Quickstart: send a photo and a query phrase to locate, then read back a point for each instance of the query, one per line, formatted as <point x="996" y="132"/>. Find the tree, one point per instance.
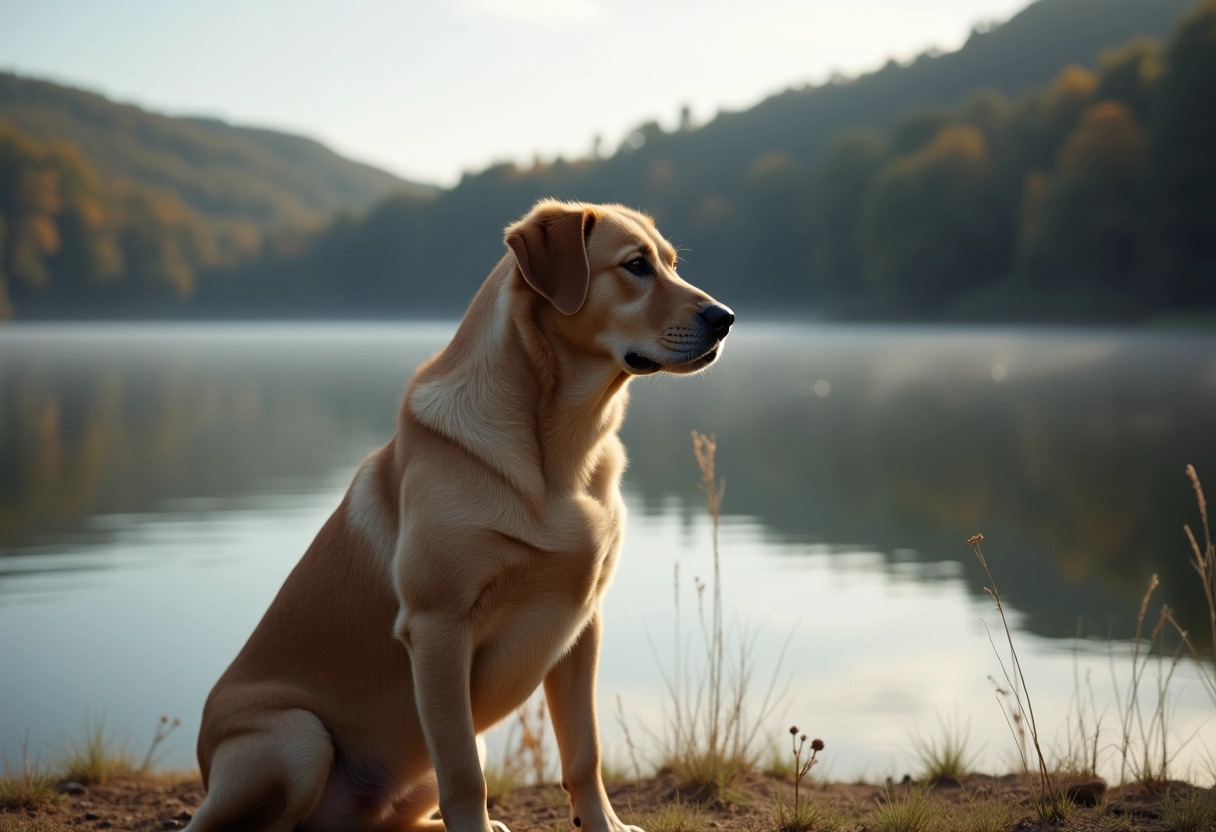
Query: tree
<point x="1184" y="159"/>
<point x="836" y="192"/>
<point x="929" y="225"/>
<point x="1085" y="225"/>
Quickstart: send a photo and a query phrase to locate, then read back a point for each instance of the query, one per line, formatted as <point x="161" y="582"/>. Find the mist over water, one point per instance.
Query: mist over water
<point x="158" y="483"/>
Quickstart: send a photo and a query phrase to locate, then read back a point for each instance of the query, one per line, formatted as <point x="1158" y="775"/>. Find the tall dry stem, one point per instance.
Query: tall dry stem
<point x="705" y="448"/>
<point x="1204" y="562"/>
<point x="1049" y="802"/>
<point x="711" y="722"/>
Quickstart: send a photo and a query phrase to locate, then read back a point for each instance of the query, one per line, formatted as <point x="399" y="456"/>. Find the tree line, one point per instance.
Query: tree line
<point x="1092" y="196"/>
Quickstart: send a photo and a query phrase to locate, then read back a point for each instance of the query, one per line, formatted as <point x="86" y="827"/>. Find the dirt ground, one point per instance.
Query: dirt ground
<point x="164" y="802"/>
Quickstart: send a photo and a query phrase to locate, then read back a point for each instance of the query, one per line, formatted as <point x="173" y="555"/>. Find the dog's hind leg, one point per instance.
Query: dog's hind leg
<point x="269" y="779"/>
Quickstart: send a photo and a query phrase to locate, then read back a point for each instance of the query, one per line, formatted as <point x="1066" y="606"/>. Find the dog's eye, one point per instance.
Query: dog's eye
<point x="638" y="266"/>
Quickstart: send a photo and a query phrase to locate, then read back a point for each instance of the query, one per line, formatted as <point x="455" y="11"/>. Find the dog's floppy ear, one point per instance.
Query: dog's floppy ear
<point x="550" y="248"/>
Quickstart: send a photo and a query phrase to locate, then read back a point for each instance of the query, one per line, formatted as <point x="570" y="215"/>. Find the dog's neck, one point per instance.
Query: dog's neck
<point x="536" y="411"/>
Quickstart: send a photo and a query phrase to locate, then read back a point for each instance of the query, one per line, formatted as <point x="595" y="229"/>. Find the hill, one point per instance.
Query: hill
<point x="220" y="170"/>
<point x="766" y="204"/>
<point x="1056" y="165"/>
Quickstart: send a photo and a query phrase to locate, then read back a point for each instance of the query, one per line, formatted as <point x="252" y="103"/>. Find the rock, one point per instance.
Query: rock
<point x="90" y="816"/>
<point x="72" y="788"/>
<point x="183" y="816"/>
<point x="171" y="824"/>
<point x="1087" y="793"/>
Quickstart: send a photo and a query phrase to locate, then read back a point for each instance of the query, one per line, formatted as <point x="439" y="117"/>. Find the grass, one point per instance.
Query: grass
<point x="675" y="816"/>
<point x="1189" y="811"/>
<point x="523" y="761"/>
<point x="97" y="757"/>
<point x="983" y="815"/>
<point x="1018" y="709"/>
<point x="712" y="722"/>
<point x="913" y="811"/>
<point x="946" y="755"/>
<point x="802" y="816"/>
<point x="29" y="787"/>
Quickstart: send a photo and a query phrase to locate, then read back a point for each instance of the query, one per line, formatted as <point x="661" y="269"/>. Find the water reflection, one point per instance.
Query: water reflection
<point x="1066" y="449"/>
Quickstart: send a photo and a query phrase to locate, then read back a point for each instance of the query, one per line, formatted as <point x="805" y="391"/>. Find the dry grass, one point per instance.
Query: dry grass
<point x="1016" y="705"/>
<point x="675" y="816"/>
<point x="913" y="811"/>
<point x="1189" y="811"/>
<point x="523" y="761"/>
<point x="712" y="722"/>
<point x="96" y="757"/>
<point x="28" y="787"/>
<point x="983" y="815"/>
<point x="803" y="816"/>
<point x="946" y="755"/>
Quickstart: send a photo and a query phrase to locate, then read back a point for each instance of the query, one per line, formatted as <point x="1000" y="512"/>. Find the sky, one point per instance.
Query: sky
<point x="429" y="90"/>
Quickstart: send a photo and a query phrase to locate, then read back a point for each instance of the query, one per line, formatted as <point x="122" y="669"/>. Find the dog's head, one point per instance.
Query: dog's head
<point x="610" y="281"/>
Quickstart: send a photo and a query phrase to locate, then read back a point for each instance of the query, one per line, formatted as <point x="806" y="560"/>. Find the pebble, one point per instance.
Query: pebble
<point x="171" y="824"/>
<point x="72" y="788"/>
<point x="90" y="816"/>
<point x="183" y="816"/>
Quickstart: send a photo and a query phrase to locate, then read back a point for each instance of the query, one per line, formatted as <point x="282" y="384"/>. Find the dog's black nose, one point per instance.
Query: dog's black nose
<point x="718" y="317"/>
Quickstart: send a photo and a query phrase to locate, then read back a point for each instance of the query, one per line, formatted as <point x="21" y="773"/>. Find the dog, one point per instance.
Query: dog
<point x="467" y="563"/>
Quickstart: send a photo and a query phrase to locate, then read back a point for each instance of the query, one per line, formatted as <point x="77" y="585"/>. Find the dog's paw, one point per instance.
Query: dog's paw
<point x="499" y="826"/>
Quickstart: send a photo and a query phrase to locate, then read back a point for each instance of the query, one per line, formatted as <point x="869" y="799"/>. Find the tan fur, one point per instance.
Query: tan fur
<point x="467" y="563"/>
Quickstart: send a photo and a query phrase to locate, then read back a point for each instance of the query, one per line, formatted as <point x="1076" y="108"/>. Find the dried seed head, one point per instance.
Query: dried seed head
<point x="974" y="539"/>
<point x="803" y="738"/>
<point x="793" y="730"/>
<point x="1194" y="478"/>
<point x="816" y="745"/>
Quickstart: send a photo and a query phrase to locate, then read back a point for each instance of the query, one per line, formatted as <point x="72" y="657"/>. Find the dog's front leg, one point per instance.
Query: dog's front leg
<point x="570" y="692"/>
<point x="441" y="659"/>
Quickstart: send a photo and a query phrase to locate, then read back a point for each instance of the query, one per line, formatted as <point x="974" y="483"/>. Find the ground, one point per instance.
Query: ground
<point x="662" y="804"/>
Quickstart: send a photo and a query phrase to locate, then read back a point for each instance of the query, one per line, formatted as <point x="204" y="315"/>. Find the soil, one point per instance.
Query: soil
<point x="166" y="802"/>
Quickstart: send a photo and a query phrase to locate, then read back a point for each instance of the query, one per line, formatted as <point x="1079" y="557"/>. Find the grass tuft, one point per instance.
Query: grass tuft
<point x="802" y="816"/>
<point x="96" y="757"/>
<point x="913" y="811"/>
<point x="30" y="787"/>
<point x="946" y="755"/>
<point x="980" y="815"/>
<point x="1190" y="811"/>
<point x="675" y="816"/>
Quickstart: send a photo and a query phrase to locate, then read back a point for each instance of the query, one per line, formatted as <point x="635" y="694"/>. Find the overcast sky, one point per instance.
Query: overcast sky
<point x="431" y="89"/>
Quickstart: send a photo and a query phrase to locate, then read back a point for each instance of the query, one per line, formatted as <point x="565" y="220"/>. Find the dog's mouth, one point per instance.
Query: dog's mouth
<point x="641" y="365"/>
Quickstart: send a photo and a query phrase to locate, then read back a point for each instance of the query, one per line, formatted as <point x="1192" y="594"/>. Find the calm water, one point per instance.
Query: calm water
<point x="157" y="484"/>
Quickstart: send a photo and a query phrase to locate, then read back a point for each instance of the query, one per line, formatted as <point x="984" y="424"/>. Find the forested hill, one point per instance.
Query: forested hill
<point x="789" y="206"/>
<point x="1017" y="56"/>
<point x="219" y="170"/>
<point x="1058" y="165"/>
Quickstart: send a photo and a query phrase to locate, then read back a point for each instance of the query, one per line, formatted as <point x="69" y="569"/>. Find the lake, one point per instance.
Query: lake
<point x="158" y="482"/>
